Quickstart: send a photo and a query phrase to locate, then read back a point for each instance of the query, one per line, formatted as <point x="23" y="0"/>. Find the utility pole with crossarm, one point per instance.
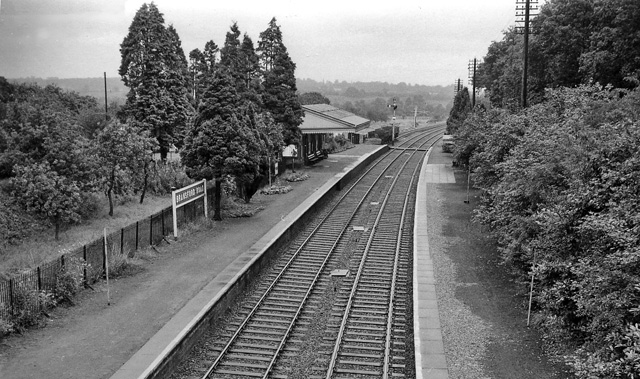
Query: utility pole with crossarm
<point x="472" y="80"/>
<point x="523" y="12"/>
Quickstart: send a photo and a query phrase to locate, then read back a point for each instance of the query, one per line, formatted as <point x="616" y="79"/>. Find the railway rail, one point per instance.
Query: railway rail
<point x="336" y="303"/>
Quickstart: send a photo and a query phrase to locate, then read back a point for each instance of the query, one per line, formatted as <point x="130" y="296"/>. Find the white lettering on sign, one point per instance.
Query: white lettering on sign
<point x="188" y="194"/>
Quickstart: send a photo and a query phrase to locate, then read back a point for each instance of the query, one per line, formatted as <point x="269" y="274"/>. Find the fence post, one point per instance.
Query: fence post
<point x="121" y="240"/>
<point x="162" y="215"/>
<point x="84" y="256"/>
<point x="151" y="230"/>
<point x="136" y="235"/>
<point x="62" y="260"/>
<point x="39" y="284"/>
<point x="104" y="257"/>
<point x="39" y="279"/>
<point x="11" y="301"/>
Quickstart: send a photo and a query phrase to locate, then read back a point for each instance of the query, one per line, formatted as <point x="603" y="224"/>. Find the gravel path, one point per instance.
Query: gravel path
<point x="483" y="321"/>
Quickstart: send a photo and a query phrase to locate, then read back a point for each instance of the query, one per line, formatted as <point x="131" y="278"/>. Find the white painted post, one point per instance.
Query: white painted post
<point x="175" y="214"/>
<point x="204" y="183"/>
<point x="106" y="265"/>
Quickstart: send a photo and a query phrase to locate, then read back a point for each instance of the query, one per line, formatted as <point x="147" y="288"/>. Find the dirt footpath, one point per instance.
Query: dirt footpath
<point x="93" y="339"/>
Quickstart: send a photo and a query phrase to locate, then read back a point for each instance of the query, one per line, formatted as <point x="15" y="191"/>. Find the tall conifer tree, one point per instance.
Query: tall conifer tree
<point x="155" y="69"/>
<point x="279" y="82"/>
<point x="202" y="66"/>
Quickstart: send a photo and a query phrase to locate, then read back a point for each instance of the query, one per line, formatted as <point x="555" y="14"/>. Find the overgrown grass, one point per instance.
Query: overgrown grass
<point x="40" y="245"/>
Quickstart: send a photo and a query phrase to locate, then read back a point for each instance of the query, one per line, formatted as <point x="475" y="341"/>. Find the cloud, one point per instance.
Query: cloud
<point x="60" y="7"/>
<point x="426" y="42"/>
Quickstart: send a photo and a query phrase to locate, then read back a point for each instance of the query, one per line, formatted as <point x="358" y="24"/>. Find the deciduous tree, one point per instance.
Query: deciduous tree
<point x="313" y="98"/>
<point x="123" y="152"/>
<point x="49" y="195"/>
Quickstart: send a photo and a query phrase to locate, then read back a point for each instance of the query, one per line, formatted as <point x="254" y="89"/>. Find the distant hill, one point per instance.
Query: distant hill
<point x="362" y="90"/>
<point x="370" y="99"/>
<point x="338" y="92"/>
<point x="116" y="90"/>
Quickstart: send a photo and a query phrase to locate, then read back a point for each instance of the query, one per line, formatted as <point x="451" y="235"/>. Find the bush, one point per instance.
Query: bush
<point x="165" y="176"/>
<point x="336" y="144"/>
<point x="295" y="176"/>
<point x="621" y="360"/>
<point x="28" y="305"/>
<point x="6" y="327"/>
<point x="561" y="194"/>
<point x="275" y="190"/>
<point x="70" y="280"/>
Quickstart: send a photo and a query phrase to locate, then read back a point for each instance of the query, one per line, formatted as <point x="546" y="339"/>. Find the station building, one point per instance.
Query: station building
<point x="323" y="120"/>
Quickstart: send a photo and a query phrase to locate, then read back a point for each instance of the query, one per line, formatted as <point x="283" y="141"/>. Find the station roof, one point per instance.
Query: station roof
<point x="325" y="118"/>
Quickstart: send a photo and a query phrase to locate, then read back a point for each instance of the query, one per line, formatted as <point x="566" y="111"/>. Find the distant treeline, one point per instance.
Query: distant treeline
<point x="373" y="99"/>
<point x="373" y="89"/>
<point x="367" y="99"/>
<point x="116" y="90"/>
<point x="427" y="98"/>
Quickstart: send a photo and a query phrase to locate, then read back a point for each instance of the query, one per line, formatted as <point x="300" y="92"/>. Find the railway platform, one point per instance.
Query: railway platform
<point x="324" y="175"/>
<point x="430" y="356"/>
<point x="135" y="349"/>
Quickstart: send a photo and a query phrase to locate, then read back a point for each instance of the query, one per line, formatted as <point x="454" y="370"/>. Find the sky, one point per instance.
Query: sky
<point x="427" y="42"/>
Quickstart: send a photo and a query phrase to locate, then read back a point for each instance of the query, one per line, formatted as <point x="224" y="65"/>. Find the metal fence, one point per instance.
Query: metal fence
<point x="20" y="292"/>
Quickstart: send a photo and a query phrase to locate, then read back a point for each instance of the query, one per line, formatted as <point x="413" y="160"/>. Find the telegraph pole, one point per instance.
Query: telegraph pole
<point x="525" y="55"/>
<point x="472" y="80"/>
<point x="525" y="12"/>
<point x="457" y="86"/>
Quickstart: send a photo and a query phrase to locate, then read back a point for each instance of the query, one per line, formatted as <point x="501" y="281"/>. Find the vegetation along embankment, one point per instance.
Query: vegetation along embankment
<point x="227" y="110"/>
<point x="561" y="178"/>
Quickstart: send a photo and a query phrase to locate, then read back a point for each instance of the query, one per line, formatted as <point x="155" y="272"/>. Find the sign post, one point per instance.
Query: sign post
<point x="186" y="195"/>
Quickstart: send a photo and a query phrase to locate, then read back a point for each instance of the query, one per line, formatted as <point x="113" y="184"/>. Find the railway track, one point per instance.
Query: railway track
<point x="335" y="304"/>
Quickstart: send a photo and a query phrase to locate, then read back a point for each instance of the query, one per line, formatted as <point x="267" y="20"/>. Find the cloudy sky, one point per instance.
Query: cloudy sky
<point x="412" y="41"/>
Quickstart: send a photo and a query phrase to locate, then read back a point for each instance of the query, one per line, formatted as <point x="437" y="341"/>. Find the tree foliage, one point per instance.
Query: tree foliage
<point x="459" y="112"/>
<point x="47" y="194"/>
<point x="561" y="184"/>
<point x="573" y="42"/>
<point x="43" y="124"/>
<point x="202" y="66"/>
<point x="230" y="94"/>
<point x="155" y="69"/>
<point x="220" y="142"/>
<point x="377" y="110"/>
<point x="279" y="82"/>
<point x="313" y="98"/>
<point x="124" y="152"/>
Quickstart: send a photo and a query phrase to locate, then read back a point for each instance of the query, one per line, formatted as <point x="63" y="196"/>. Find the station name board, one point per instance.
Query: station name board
<point x="187" y="194"/>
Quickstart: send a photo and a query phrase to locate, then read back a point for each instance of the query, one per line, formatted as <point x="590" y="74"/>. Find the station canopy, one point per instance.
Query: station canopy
<point x="325" y="118"/>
